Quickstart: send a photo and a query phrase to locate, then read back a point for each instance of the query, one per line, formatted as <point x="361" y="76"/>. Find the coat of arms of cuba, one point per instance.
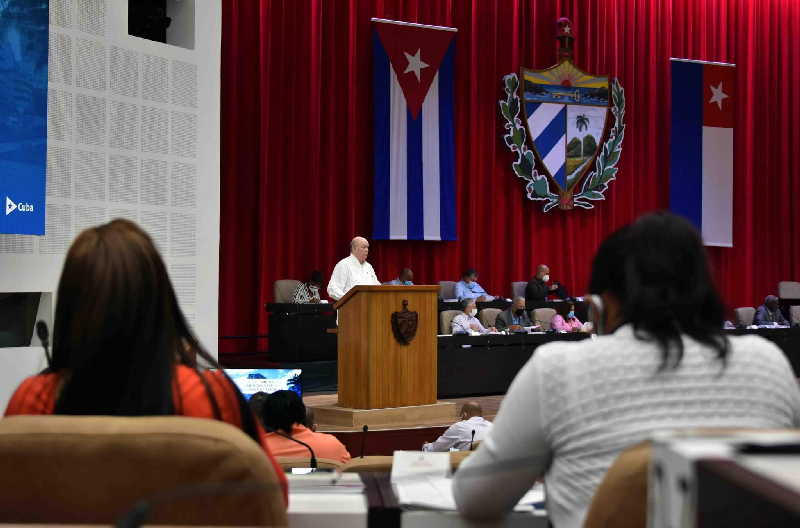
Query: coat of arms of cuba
<point x="565" y="150"/>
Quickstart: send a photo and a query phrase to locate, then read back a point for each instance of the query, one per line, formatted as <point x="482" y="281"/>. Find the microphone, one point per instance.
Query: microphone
<point x="363" y="439"/>
<point x="471" y="440"/>
<point x="43" y="334"/>
<point x="313" y="462"/>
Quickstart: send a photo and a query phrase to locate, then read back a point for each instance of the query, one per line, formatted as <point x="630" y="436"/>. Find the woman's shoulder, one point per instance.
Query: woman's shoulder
<point x="35" y="395"/>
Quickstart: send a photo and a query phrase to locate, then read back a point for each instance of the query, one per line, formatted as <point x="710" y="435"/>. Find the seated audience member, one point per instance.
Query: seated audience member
<point x="284" y="412"/>
<point x="515" y="318"/>
<point x="308" y="292"/>
<point x="769" y="313"/>
<point x="661" y="361"/>
<point x="256" y="401"/>
<point x="537" y="290"/>
<point x="570" y="323"/>
<point x="122" y="346"/>
<point x="460" y="434"/>
<point x="405" y="278"/>
<point x="466" y="322"/>
<point x="468" y="288"/>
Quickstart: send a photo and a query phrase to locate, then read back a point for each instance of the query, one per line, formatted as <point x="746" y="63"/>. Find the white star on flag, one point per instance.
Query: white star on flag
<point x="415" y="63"/>
<point x="718" y="95"/>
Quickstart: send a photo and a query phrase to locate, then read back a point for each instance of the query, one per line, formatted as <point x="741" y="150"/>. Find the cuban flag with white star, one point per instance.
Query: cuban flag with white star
<point x="414" y="135"/>
<point x="701" y="148"/>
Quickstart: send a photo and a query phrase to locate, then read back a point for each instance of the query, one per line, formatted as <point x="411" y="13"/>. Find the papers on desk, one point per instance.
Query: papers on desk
<point x="422" y="480"/>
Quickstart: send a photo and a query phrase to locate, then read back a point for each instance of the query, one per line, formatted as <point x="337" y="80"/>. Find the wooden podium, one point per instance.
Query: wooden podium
<point x="382" y="380"/>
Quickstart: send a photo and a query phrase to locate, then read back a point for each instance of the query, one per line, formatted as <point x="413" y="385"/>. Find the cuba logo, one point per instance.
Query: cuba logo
<point x="22" y="207"/>
<point x="566" y="149"/>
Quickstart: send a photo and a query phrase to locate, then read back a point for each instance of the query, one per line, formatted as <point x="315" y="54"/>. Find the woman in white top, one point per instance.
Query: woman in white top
<point x="664" y="363"/>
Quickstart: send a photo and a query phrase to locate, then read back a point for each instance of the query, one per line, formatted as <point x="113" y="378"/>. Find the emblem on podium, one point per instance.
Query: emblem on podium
<point x="566" y="148"/>
<point x="404" y="324"/>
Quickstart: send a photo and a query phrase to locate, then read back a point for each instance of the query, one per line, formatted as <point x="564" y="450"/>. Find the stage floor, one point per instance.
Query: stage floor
<point x="490" y="405"/>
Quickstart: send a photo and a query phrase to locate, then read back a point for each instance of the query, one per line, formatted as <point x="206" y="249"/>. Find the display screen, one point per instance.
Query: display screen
<point x="251" y="381"/>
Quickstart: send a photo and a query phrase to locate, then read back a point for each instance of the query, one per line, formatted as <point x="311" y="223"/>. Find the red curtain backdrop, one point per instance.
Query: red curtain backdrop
<point x="297" y="140"/>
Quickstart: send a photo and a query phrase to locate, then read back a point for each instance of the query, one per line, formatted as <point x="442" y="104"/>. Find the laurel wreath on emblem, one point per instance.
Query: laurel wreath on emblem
<point x="538" y="186"/>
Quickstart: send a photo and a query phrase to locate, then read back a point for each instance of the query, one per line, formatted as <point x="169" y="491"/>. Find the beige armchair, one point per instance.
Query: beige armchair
<point x="542" y="317"/>
<point x="488" y="316"/>
<point x="94" y="470"/>
<point x="445" y="320"/>
<point x="284" y="290"/>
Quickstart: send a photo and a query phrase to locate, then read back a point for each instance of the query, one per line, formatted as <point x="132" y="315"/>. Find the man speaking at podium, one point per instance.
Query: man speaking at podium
<point x="352" y="271"/>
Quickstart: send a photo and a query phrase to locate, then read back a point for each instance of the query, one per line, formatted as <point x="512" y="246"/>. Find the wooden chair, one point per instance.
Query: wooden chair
<point x="94" y="470"/>
<point x="621" y="499"/>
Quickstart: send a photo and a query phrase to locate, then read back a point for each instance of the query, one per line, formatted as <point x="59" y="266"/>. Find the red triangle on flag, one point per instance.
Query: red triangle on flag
<point x="415" y="53"/>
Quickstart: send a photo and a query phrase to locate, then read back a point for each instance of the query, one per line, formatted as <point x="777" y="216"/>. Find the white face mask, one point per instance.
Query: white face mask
<point x="546" y="278"/>
<point x="473" y="312"/>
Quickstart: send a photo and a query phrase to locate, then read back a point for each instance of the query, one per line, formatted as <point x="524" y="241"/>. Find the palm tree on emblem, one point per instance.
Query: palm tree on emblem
<point x="581" y="123"/>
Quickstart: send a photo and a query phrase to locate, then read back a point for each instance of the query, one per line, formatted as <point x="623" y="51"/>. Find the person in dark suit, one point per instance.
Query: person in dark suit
<point x="515" y="318"/>
<point x="769" y="313"/>
<point x="539" y="287"/>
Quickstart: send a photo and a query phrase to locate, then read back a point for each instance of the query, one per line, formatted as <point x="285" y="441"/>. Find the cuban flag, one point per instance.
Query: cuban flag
<point x="701" y="169"/>
<point x="414" y="137"/>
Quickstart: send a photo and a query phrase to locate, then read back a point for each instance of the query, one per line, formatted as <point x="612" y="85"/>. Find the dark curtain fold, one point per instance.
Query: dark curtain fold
<point x="297" y="139"/>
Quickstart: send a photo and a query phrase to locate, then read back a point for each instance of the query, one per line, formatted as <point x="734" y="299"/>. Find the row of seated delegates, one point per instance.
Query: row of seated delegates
<point x="661" y="361"/>
<point x="466" y="322"/>
<point x="463" y="434"/>
<point x="121" y="345"/>
<point x="769" y="313"/>
<point x="353" y="270"/>
<point x="539" y="288"/>
<point x="284" y="413"/>
<point x="308" y="292"/>
<point x="468" y="288"/>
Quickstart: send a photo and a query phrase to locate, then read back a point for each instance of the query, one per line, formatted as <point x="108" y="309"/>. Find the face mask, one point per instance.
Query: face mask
<point x="406" y="283"/>
<point x="571" y="315"/>
<point x="519" y="312"/>
<point x="473" y="312"/>
<point x="313" y="287"/>
<point x="546" y="278"/>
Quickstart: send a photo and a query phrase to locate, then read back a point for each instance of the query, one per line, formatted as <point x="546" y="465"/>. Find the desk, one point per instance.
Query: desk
<point x="561" y="307"/>
<point x="377" y="507"/>
<point x="464" y="361"/>
<point x="298" y="332"/>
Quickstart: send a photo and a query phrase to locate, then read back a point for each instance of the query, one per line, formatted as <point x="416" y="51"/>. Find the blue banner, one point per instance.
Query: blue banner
<point x="23" y="115"/>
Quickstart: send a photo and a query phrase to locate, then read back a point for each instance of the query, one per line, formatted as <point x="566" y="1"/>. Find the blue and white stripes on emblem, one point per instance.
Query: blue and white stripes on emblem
<point x="414" y="158"/>
<point x="547" y="123"/>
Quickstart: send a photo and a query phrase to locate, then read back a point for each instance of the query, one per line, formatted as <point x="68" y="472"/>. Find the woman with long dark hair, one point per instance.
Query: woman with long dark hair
<point x="661" y="362"/>
<point x="121" y="345"/>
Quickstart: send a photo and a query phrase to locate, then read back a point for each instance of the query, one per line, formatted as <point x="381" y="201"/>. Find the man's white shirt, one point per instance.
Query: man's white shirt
<point x="459" y="435"/>
<point x="350" y="272"/>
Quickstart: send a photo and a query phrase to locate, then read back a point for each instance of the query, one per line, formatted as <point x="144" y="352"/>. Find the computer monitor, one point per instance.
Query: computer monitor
<point x="251" y="381"/>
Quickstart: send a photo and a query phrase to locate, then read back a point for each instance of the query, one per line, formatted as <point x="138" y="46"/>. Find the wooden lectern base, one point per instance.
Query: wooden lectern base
<point x="439" y="413"/>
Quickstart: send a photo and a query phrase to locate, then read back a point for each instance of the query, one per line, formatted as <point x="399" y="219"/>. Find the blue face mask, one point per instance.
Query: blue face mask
<point x="407" y="283"/>
<point x="571" y="315"/>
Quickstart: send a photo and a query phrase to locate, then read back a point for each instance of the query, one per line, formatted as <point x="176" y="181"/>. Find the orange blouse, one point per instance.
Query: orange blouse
<point x="37" y="395"/>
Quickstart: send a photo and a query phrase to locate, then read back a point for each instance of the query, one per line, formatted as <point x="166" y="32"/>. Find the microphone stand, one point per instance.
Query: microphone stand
<point x="313" y="462"/>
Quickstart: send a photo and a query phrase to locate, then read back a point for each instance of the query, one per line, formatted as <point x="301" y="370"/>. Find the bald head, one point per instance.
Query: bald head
<point x="542" y="270"/>
<point x="471" y="409"/>
<point x="359" y="248"/>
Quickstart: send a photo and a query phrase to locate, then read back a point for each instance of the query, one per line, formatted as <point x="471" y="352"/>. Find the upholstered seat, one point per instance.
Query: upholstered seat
<point x="94" y="470"/>
<point x="542" y="317"/>
<point x="284" y="290"/>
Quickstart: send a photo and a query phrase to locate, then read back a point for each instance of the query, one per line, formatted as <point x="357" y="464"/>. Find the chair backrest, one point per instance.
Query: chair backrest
<point x="284" y="289"/>
<point x="488" y="316"/>
<point x="305" y="462"/>
<point x="445" y="318"/>
<point x="447" y="289"/>
<point x="794" y="315"/>
<point x="621" y="499"/>
<point x="368" y="464"/>
<point x="745" y="315"/>
<point x="93" y="470"/>
<point x="543" y="316"/>
<point x="518" y="289"/>
<point x="789" y="290"/>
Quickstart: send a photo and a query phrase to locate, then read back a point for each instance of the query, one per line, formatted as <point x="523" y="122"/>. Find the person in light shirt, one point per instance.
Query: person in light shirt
<point x="459" y="435"/>
<point x="468" y="288"/>
<point x="405" y="278"/>
<point x="570" y="323"/>
<point x="353" y="270"/>
<point x="466" y="322"/>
